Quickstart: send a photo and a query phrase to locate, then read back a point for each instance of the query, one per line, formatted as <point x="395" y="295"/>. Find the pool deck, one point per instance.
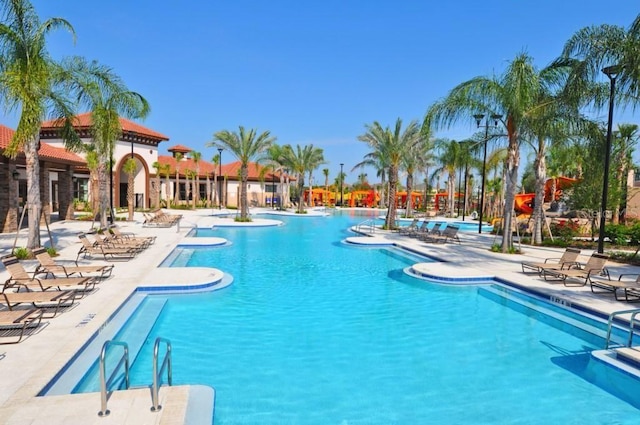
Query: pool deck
<point x="25" y="368"/>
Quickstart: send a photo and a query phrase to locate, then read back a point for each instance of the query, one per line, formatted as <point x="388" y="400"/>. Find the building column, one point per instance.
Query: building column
<point x="45" y="193"/>
<point x="65" y="195"/>
<point x="8" y="197"/>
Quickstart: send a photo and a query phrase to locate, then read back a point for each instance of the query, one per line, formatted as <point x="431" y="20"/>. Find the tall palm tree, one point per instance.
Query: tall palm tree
<point x="391" y="144"/>
<point x="196" y="157"/>
<point x="514" y="95"/>
<point x="216" y="164"/>
<point x="626" y="138"/>
<point x="176" y="196"/>
<point x="302" y="160"/>
<point x="609" y="45"/>
<point x="165" y="169"/>
<point x="246" y="146"/>
<point x="156" y="195"/>
<point x="130" y="168"/>
<point x="325" y="171"/>
<point x="29" y="82"/>
<point x="108" y="98"/>
<point x="449" y="159"/>
<point x="276" y="162"/>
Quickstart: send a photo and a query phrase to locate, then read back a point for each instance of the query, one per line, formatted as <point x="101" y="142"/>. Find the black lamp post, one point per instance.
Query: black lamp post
<point x="611" y="72"/>
<point x="220" y="178"/>
<point x="341" y="190"/>
<point x="457" y="198"/>
<point x="487" y="125"/>
<point x="111" y="188"/>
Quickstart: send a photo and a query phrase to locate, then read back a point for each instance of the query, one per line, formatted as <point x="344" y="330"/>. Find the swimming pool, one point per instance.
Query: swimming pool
<point x="314" y="331"/>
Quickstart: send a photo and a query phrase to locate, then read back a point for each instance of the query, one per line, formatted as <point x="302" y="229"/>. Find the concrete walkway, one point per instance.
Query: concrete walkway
<point x="27" y="367"/>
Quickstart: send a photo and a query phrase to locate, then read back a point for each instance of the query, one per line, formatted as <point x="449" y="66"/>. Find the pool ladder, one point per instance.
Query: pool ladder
<point x="124" y="359"/>
<point x="632" y="322"/>
<point x="367" y="226"/>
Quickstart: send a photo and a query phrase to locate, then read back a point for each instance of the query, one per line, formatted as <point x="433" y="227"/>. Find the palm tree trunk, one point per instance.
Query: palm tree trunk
<point x="244" y="205"/>
<point x="513" y="161"/>
<point x="390" y="222"/>
<point x="33" y="192"/>
<point x="409" y="211"/>
<point x="104" y="190"/>
<point x="540" y="170"/>
<point x="177" y="194"/>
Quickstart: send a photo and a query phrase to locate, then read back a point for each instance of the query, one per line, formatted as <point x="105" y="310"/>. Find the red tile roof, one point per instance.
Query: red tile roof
<point x="46" y="151"/>
<point x="84" y="121"/>
<point x="179" y="148"/>
<point x="231" y="170"/>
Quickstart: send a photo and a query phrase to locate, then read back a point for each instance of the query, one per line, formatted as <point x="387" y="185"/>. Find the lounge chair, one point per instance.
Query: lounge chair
<point x="107" y="253"/>
<point x="569" y="259"/>
<point x="128" y="236"/>
<point x="410" y="228"/>
<point x="14" y="323"/>
<point x="423" y="228"/>
<point x="594" y="267"/>
<point x="46" y="300"/>
<point x="19" y="277"/>
<point x="48" y="266"/>
<point x="160" y="219"/>
<point x="105" y="239"/>
<point x="449" y="233"/>
<point x="424" y="231"/>
<point x="630" y="288"/>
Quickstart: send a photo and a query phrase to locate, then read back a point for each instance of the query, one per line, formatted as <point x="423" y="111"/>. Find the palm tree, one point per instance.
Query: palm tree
<point x="325" y="171"/>
<point x="156" y="196"/>
<point x="378" y="162"/>
<point x="275" y="161"/>
<point x="626" y="139"/>
<point x="176" y="196"/>
<point x="195" y="157"/>
<point x="449" y="159"/>
<point x="216" y="163"/>
<point x="609" y="45"/>
<point x="189" y="178"/>
<point x="130" y="167"/>
<point x="515" y="96"/>
<point x="246" y="146"/>
<point x="28" y="82"/>
<point x="391" y="145"/>
<point x="108" y="98"/>
<point x="165" y="169"/>
<point x="301" y="160"/>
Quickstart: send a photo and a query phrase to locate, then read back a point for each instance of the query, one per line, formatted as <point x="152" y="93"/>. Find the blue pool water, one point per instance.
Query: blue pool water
<point x="313" y="331"/>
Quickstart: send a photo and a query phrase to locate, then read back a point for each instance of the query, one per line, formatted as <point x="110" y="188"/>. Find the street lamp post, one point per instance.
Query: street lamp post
<point x="219" y="178"/>
<point x="611" y="72"/>
<point x="487" y="125"/>
<point x="111" y="188"/>
<point x="341" y="187"/>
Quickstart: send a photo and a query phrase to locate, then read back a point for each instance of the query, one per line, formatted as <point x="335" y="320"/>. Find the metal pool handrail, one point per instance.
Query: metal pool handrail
<point x="104" y="382"/>
<point x="370" y="223"/>
<point x="632" y="320"/>
<point x="166" y="362"/>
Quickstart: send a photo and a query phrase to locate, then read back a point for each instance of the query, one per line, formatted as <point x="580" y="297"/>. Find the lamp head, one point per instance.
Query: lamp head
<point x="496" y="118"/>
<point x="478" y="118"/>
<point x="612" y="71"/>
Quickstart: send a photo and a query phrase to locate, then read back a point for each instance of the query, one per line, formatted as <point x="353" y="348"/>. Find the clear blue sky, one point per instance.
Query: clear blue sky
<point x="312" y="71"/>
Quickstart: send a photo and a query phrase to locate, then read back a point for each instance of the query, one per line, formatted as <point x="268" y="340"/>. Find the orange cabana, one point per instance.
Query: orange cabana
<point x="401" y="199"/>
<point x="439" y="198"/>
<point x="363" y="198"/>
<point x="320" y="196"/>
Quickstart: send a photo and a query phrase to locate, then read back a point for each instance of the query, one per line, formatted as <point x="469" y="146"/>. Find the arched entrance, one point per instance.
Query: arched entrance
<point x="140" y="183"/>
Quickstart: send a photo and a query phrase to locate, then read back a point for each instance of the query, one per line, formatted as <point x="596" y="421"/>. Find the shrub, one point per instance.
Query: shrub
<point x="617" y="233"/>
<point x="52" y="251"/>
<point x="21" y="253"/>
<point x="565" y="230"/>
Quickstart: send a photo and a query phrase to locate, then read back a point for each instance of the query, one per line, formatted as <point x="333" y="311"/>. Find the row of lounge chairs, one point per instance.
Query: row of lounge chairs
<point x="111" y="245"/>
<point x="435" y="234"/>
<point x="571" y="272"/>
<point x="29" y="297"/>
<point x="160" y="219"/>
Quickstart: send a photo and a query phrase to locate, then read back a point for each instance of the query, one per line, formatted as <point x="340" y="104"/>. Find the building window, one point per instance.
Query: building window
<point x="81" y="189"/>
